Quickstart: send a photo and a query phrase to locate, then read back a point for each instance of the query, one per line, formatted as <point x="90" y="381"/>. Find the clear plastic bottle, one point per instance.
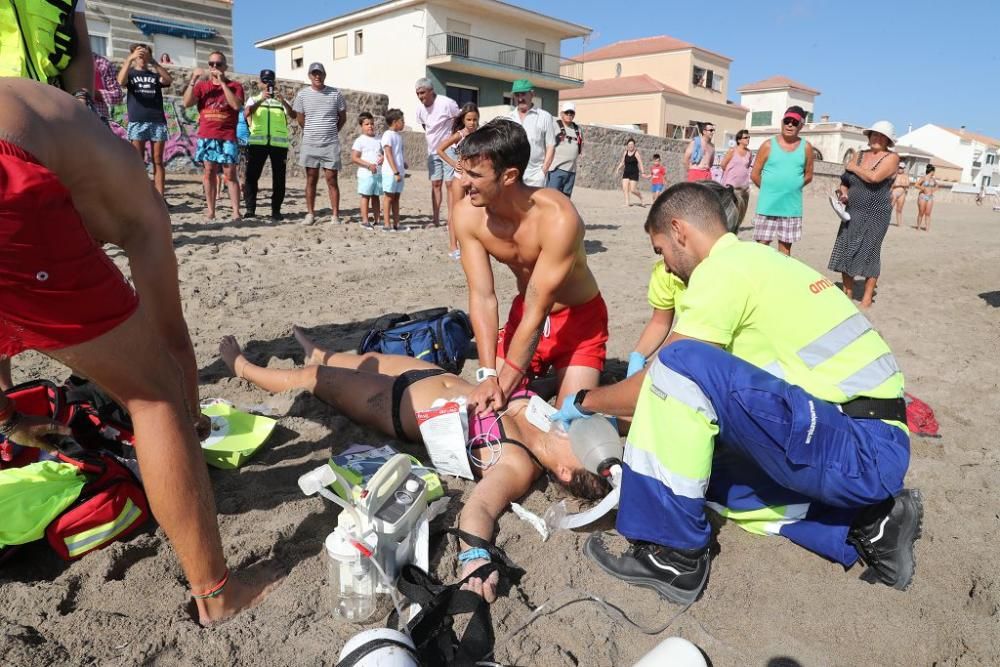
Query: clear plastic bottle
<point x="352" y="579"/>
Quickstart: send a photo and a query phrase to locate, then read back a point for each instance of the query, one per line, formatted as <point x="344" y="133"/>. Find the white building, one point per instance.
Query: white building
<point x="767" y="101"/>
<point x="471" y="49"/>
<point x="975" y="153"/>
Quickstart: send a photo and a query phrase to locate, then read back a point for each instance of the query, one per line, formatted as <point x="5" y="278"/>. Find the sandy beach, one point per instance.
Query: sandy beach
<point x="767" y="602"/>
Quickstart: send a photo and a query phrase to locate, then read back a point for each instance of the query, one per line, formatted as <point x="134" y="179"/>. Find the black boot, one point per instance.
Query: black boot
<point x="884" y="536"/>
<point x="677" y="574"/>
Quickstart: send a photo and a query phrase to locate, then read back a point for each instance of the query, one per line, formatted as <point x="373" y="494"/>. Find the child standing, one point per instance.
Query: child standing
<point x="393" y="169"/>
<point x="657" y="176"/>
<point x="367" y="154"/>
<point x="466" y="122"/>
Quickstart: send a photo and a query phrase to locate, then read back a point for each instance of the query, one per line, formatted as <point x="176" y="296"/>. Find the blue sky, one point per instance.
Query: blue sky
<point x="909" y="61"/>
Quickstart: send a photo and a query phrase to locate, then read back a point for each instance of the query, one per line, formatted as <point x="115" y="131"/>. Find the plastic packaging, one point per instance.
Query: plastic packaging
<point x="352" y="579"/>
<point x="596" y="443"/>
<point x="377" y="653"/>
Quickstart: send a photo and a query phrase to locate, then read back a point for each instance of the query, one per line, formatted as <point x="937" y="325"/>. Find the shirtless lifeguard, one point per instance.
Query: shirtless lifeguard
<point x="558" y="319"/>
<point x="65" y="180"/>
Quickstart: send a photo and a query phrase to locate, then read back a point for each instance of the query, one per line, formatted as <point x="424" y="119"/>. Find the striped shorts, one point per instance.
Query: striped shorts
<point x="771" y="227"/>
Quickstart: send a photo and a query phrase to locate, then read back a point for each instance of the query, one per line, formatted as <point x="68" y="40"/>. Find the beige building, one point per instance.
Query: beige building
<point x="659" y="85"/>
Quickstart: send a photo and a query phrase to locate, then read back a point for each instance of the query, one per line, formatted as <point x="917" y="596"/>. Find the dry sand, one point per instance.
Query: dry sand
<point x="767" y="602"/>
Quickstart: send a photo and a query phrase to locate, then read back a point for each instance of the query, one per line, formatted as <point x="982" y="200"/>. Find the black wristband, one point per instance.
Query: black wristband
<point x="578" y="401"/>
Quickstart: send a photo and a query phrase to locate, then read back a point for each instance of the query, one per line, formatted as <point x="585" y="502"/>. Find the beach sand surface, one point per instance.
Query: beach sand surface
<point x="767" y="601"/>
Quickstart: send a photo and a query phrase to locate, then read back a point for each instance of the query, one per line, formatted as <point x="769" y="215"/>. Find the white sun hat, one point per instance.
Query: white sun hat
<point x="883" y="127"/>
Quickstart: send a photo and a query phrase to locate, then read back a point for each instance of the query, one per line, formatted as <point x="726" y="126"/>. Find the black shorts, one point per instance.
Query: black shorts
<point x="402" y="383"/>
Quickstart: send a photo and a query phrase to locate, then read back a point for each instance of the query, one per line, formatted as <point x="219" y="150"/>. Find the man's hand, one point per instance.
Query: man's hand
<point x="197" y="74"/>
<point x="636" y="362"/>
<point x="31" y="431"/>
<point x="568" y="413"/>
<point x="215" y="76"/>
<point x="203" y="426"/>
<point x="487" y="396"/>
<point x="372" y="167"/>
<point x="266" y="94"/>
<point x="488" y="588"/>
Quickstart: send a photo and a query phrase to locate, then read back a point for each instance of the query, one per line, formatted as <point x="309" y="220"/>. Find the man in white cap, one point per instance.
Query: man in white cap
<point x="435" y="114"/>
<point x="321" y="111"/>
<point x="538" y="125"/>
<point x="569" y="148"/>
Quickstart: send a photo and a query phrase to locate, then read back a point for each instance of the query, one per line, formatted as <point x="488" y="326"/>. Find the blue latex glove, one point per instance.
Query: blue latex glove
<point x="636" y="362"/>
<point x="568" y="413"/>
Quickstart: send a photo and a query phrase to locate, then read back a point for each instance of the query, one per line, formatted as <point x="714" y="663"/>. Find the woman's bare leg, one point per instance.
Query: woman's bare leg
<point x="848" y="285"/>
<point x="928" y="207"/>
<point x="625" y="183"/>
<point x="866" y="301"/>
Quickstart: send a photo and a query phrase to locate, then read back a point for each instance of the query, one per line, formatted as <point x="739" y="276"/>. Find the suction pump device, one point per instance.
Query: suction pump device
<point x="596" y="443"/>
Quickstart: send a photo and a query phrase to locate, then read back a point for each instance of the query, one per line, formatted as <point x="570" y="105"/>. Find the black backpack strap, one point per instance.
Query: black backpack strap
<point x="355" y="656"/>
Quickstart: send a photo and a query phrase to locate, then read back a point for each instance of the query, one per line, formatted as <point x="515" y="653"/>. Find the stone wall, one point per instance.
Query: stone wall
<point x="603" y="149"/>
<point x="183" y="123"/>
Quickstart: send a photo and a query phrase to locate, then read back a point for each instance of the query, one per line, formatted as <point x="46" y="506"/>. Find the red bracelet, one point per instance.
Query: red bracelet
<point x="508" y="362"/>
<point x="214" y="590"/>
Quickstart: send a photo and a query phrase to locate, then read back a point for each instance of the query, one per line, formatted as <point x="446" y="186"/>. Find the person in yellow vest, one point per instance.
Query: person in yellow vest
<point x="47" y="40"/>
<point x="267" y="114"/>
<point x="774" y="402"/>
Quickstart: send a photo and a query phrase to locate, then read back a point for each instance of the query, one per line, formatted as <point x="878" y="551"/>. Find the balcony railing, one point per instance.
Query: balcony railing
<point x="489" y="52"/>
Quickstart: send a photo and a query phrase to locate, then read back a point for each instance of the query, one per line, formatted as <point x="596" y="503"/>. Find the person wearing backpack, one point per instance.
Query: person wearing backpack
<point x="569" y="148"/>
<point x="700" y="154"/>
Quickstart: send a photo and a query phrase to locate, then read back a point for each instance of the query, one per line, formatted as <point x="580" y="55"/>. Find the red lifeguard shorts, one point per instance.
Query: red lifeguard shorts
<point x="574" y="336"/>
<point x="57" y="287"/>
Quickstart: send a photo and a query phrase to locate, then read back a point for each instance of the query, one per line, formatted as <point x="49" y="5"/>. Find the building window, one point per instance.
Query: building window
<point x="672" y="131"/>
<point x="716" y="83"/>
<point x="991" y="158"/>
<point x="461" y="94"/>
<point x="534" y="55"/>
<point x="760" y="119"/>
<point x="457" y="41"/>
<point x="618" y="70"/>
<point x="359" y="42"/>
<point x="986" y="181"/>
<point x="340" y="47"/>
<point x="508" y="99"/>
<point x="297" y="57"/>
<point x="809" y="116"/>
<point x="100" y="37"/>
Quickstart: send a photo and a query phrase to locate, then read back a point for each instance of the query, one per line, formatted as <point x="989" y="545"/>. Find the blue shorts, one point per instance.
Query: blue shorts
<point x="389" y="184"/>
<point x="147" y="131"/>
<point x="438" y="169"/>
<point x="219" y="151"/>
<point x="369" y="184"/>
<point x="656" y="187"/>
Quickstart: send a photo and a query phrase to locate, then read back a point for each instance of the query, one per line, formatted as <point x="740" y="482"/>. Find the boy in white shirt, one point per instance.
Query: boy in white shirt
<point x="367" y="154"/>
<point x="393" y="168"/>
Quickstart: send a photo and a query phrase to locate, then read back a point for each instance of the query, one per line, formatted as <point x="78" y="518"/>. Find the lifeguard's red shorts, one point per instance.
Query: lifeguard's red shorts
<point x="57" y="287"/>
<point x="574" y="336"/>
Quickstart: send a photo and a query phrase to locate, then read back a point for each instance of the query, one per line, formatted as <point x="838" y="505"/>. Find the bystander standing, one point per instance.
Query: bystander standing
<point x="322" y="111"/>
<point x="569" y="148"/>
<point x="539" y="127"/>
<point x="267" y="114"/>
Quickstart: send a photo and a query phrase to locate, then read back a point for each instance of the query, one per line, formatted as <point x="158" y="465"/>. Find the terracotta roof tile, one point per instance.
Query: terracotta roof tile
<point x="776" y="82"/>
<point x="643" y="46"/>
<point x="623" y="85"/>
<point x="981" y="138"/>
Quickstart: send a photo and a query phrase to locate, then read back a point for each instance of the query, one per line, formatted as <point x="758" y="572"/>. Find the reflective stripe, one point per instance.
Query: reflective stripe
<point x="871" y="376"/>
<point x="834" y="340"/>
<point x="646" y="464"/>
<point x="775" y="369"/>
<point x="668" y="382"/>
<point x="83" y="542"/>
<point x="763" y="521"/>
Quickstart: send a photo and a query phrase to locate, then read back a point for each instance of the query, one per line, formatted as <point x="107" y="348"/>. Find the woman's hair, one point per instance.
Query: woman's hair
<point x="741" y="134"/>
<point x="629" y="141"/>
<point x="139" y="45"/>
<point x="585" y="484"/>
<point x="929" y="169"/>
<point x="459" y="122"/>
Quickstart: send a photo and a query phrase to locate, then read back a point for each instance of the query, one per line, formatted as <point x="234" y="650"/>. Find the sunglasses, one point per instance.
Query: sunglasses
<point x="569" y="113"/>
<point x="216" y="63"/>
<point x="710" y="129"/>
<point x="791" y="121"/>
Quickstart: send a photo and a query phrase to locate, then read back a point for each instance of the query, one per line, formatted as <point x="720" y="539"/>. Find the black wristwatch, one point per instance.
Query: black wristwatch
<point x="578" y="402"/>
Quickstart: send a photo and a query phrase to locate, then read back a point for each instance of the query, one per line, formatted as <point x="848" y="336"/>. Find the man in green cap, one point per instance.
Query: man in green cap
<point x="540" y="128"/>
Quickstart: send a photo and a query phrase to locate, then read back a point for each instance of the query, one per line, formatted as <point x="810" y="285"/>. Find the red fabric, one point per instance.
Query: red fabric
<point x="57" y="287"/>
<point x="217" y="120"/>
<point x="574" y="336"/>
<point x="658" y="174"/>
<point x="699" y="175"/>
<point x="920" y="417"/>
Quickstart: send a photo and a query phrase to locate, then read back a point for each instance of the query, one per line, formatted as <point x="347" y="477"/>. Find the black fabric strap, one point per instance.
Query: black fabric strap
<point x="355" y="656"/>
<point x="893" y="409"/>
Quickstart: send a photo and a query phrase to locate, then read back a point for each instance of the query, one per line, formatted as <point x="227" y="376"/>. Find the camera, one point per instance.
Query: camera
<point x="270" y="88"/>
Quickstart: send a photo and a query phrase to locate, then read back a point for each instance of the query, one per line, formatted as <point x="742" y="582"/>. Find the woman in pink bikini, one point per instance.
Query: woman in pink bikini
<point x="384" y="391"/>
<point x="736" y="165"/>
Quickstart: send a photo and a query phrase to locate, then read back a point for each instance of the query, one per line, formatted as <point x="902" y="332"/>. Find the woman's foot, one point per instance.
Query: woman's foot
<point x="232" y="355"/>
<point x="865" y="305"/>
<point x="314" y="356"/>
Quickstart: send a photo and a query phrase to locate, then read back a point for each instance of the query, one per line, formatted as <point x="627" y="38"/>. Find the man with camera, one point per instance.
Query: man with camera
<point x="267" y="114"/>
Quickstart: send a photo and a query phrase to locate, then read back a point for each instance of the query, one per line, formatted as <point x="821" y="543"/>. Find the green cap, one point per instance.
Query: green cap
<point x="522" y="86"/>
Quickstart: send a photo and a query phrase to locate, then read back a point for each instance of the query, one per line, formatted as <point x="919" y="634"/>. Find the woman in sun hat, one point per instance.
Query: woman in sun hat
<point x="865" y="188"/>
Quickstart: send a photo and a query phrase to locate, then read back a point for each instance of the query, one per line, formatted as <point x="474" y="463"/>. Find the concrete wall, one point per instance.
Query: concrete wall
<point x="213" y="13"/>
<point x="183" y="123"/>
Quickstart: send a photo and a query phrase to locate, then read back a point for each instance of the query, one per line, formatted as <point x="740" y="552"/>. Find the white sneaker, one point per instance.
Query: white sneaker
<point x="838" y="207"/>
<point x="308" y="220"/>
<point x="336" y="221"/>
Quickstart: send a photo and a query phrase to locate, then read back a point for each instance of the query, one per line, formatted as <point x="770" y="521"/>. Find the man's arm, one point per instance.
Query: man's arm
<point x="80" y="71"/>
<point x="758" y="165"/>
<point x="232" y="99"/>
<point x="341" y="114"/>
<point x="688" y="152"/>
<point x="190" y="99"/>
<point x="810" y="163"/>
<point x="550" y="147"/>
<point x="166" y="80"/>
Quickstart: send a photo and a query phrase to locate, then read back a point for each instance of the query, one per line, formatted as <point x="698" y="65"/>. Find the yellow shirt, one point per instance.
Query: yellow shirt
<point x="664" y="288"/>
<point x="784" y="317"/>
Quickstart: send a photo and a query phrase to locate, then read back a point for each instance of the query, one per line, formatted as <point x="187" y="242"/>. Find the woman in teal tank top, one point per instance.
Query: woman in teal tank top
<point x="784" y="166"/>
